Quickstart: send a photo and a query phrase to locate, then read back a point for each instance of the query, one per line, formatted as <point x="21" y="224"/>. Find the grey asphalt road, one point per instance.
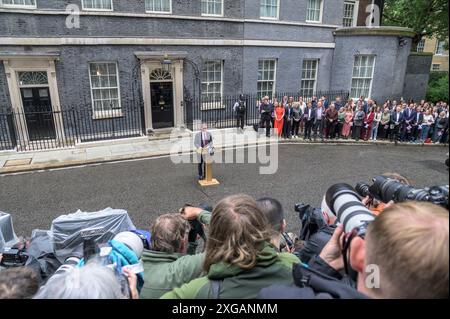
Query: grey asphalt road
<point x="151" y="187"/>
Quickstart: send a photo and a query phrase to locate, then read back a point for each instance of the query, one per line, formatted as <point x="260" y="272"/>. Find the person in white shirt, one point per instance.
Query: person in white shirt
<point x="428" y="120"/>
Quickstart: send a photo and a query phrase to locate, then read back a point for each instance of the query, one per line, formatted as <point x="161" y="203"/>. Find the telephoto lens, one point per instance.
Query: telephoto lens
<point x="343" y="201"/>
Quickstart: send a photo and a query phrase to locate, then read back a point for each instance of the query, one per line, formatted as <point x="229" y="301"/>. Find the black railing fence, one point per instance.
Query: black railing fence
<point x="219" y="113"/>
<point x="40" y="128"/>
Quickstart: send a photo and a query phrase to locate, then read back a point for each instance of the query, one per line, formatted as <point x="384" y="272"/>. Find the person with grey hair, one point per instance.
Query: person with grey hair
<point x="203" y="140"/>
<point x="93" y="281"/>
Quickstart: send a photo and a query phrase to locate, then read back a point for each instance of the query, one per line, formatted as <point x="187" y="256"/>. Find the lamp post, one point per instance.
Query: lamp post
<point x="166" y="64"/>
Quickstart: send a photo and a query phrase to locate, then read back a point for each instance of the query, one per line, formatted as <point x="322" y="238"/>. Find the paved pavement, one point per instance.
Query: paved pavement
<point x="142" y="147"/>
<point x="149" y="187"/>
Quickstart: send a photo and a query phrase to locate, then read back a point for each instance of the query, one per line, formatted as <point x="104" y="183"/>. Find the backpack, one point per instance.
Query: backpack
<point x="241" y="107"/>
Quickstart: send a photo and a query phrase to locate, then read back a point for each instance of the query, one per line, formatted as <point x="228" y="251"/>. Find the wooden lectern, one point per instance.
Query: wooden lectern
<point x="209" y="180"/>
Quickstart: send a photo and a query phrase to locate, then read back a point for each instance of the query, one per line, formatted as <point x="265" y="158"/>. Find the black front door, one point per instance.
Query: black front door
<point x="38" y="113"/>
<point x="162" y="104"/>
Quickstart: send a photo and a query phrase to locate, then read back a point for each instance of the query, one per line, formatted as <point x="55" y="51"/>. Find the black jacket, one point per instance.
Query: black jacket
<point x="318" y="281"/>
<point x="313" y="114"/>
<point x="316" y="242"/>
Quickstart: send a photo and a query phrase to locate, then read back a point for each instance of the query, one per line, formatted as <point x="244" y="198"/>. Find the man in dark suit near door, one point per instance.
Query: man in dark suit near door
<point x="203" y="140"/>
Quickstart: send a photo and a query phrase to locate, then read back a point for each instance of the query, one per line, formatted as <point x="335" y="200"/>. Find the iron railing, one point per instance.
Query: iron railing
<point x="219" y="113"/>
<point x="42" y="128"/>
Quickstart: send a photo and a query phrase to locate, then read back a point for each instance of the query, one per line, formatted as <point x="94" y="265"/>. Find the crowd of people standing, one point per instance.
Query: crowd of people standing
<point x="362" y="119"/>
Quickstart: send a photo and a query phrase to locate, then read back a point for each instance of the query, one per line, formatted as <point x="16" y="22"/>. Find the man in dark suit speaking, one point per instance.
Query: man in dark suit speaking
<point x="203" y="141"/>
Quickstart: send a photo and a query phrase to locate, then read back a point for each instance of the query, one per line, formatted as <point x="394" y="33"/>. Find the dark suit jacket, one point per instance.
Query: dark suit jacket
<point x="313" y="115"/>
<point x="412" y="115"/>
<point x="288" y="112"/>
<point x="415" y="122"/>
<point x="401" y="118"/>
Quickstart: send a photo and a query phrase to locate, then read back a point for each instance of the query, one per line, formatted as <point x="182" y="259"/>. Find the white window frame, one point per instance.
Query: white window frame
<point x="437" y="48"/>
<point x="320" y="14"/>
<point x="371" y="76"/>
<point x="95" y="9"/>
<point x="18" y="6"/>
<point x="436" y="64"/>
<point x="310" y="79"/>
<point x="274" y="89"/>
<point x="107" y="113"/>
<point x="214" y="104"/>
<point x="355" y="12"/>
<point x="160" y="12"/>
<point x="210" y="14"/>
<point x="270" y="18"/>
<point x="421" y="45"/>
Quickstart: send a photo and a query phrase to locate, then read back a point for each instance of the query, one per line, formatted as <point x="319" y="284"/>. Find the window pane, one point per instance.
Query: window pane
<point x="362" y="75"/>
<point x="19" y="2"/>
<point x="104" y="86"/>
<point x="313" y="10"/>
<point x="212" y="81"/>
<point x="309" y="74"/>
<point x="266" y="77"/>
<point x="349" y="8"/>
<point x="269" y="8"/>
<point x="97" y="4"/>
<point x="213" y="7"/>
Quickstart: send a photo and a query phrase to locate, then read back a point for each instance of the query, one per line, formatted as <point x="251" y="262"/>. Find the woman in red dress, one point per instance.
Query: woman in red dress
<point x="279" y="118"/>
<point x="368" y="122"/>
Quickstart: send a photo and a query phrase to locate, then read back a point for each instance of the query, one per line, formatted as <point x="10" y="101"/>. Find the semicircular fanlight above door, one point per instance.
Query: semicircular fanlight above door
<point x="160" y="75"/>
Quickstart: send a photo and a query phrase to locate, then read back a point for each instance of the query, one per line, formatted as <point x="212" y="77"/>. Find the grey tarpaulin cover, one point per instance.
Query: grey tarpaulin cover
<point x="41" y="256"/>
<point x="70" y="231"/>
<point x="7" y="236"/>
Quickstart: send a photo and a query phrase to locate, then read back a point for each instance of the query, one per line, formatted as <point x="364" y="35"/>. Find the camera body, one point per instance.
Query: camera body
<point x="386" y="189"/>
<point x="14" y="257"/>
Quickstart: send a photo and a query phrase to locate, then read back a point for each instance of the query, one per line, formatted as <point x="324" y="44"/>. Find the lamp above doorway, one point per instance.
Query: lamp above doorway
<point x="166" y="63"/>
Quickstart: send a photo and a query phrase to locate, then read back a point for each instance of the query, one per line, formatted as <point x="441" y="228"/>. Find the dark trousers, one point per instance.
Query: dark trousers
<point x="415" y="133"/>
<point x="356" y="132"/>
<point x="287" y="128"/>
<point x="308" y="127"/>
<point x="240" y="120"/>
<point x="318" y="126"/>
<point x="338" y="132"/>
<point x="266" y="121"/>
<point x="295" y="128"/>
<point x="331" y="126"/>
<point x="383" y="132"/>
<point x="396" y="133"/>
<point x="201" y="166"/>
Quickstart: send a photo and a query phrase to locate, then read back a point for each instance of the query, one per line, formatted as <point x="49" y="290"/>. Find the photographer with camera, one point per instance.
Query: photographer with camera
<point x="166" y="264"/>
<point x="273" y="210"/>
<point x="239" y="259"/>
<point x="402" y="253"/>
<point x="317" y="229"/>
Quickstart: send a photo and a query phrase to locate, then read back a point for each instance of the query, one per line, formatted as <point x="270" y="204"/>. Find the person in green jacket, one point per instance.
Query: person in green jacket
<point x="239" y="260"/>
<point x="166" y="265"/>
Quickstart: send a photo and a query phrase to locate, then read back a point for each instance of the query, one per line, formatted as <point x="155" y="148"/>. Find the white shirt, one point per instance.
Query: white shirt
<point x="428" y="119"/>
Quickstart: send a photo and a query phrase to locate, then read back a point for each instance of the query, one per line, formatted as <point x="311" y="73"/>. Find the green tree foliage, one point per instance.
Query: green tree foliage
<point x="427" y="18"/>
<point x="438" y="87"/>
